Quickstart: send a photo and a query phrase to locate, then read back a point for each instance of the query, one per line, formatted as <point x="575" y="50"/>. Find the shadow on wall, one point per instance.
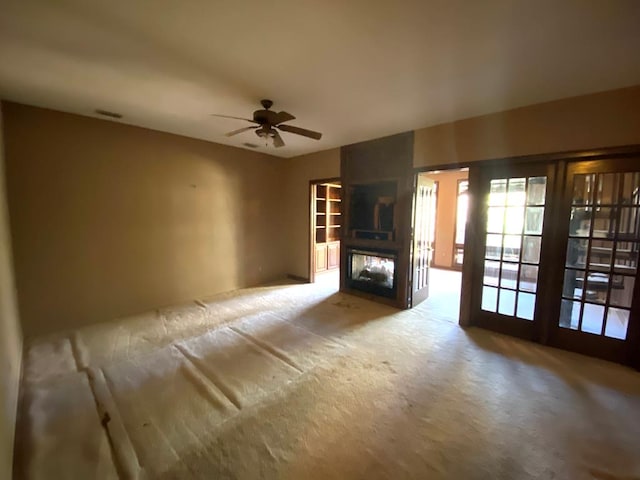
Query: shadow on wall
<point x="109" y="220"/>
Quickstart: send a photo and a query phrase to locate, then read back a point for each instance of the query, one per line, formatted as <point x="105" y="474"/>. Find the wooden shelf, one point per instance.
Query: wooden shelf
<point x="326" y="227"/>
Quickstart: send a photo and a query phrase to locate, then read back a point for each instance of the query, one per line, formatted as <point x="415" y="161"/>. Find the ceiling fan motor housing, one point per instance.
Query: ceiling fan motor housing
<point x="263" y="116"/>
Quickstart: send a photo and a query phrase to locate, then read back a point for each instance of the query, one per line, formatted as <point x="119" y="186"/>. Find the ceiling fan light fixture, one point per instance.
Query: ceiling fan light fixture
<point x="268" y="124"/>
<point x="266" y="135"/>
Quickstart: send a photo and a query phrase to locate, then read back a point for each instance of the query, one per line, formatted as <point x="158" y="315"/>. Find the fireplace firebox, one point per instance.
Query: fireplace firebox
<point x="372" y="271"/>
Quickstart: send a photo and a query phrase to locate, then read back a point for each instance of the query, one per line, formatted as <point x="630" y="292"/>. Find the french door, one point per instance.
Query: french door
<point x="599" y="223"/>
<point x="557" y="262"/>
<point x="513" y="225"/>
<point x="424" y="197"/>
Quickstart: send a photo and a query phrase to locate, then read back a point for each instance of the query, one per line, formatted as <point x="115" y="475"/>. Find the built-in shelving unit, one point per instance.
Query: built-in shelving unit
<point x="327" y="225"/>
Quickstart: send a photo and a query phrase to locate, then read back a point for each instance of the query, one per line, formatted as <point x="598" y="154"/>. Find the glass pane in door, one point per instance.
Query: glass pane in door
<point x="602" y="253"/>
<point x="515" y="213"/>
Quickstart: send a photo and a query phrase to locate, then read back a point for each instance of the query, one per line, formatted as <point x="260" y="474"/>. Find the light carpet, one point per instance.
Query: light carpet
<point x="303" y="382"/>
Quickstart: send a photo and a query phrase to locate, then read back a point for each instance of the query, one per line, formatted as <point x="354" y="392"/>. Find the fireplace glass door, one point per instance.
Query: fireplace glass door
<point x="372" y="272"/>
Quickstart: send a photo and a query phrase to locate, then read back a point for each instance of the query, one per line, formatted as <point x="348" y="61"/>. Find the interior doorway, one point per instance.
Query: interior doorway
<point x="326" y="227"/>
<point x="440" y="216"/>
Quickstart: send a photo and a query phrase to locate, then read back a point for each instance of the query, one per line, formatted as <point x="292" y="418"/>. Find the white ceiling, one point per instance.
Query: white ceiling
<point x="352" y="69"/>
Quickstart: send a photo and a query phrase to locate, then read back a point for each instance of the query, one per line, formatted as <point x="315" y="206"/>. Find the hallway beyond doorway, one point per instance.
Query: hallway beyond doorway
<point x="444" y="295"/>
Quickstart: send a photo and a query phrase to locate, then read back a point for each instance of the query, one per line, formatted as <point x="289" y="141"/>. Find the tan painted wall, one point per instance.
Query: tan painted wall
<point x="446" y="215"/>
<point x="600" y="120"/>
<point x="109" y="219"/>
<point x="299" y="171"/>
<point x="10" y="333"/>
<point x="102" y="206"/>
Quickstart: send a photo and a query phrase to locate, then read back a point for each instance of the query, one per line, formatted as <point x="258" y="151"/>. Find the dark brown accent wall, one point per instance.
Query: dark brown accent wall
<point x="386" y="159"/>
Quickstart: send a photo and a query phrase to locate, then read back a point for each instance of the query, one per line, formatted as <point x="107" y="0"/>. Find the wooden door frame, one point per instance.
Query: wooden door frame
<point x="560" y="160"/>
<point x="311" y="259"/>
<point x="414" y="215"/>
<point x="426" y="171"/>
<point x="475" y="169"/>
<point x="581" y="342"/>
<point x="435" y="220"/>
<point x="455" y="224"/>
<point x="527" y="329"/>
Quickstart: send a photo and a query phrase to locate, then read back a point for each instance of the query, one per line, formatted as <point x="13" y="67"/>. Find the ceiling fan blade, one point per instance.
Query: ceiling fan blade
<point x="282" y="117"/>
<point x="235" y="118"/>
<point x="300" y="131"/>
<point x="240" y="130"/>
<point x="277" y="140"/>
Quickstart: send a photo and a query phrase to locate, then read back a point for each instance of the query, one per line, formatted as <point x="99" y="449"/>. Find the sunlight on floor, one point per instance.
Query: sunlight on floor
<point x="444" y="295"/>
<point x="301" y="381"/>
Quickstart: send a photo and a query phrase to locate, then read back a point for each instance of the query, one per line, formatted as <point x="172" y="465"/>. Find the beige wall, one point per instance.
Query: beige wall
<point x="446" y="215"/>
<point x="112" y="219"/>
<point x="600" y="120"/>
<point x="299" y="171"/>
<point x="10" y="334"/>
<point x="109" y="219"/>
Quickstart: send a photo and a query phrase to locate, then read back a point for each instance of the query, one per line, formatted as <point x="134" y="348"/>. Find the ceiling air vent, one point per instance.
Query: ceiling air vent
<point x="106" y="113"/>
<point x="250" y="145"/>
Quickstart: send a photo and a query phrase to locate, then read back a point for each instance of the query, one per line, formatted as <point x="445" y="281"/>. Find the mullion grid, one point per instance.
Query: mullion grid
<point x="522" y="230"/>
<point x="572" y="298"/>
<point x="499" y="259"/>
<point x="587" y="261"/>
<point x="518" y="263"/>
<point x="504" y="224"/>
<point x="611" y="268"/>
<point x="616" y="232"/>
<point x="522" y="235"/>
<point x="617" y="238"/>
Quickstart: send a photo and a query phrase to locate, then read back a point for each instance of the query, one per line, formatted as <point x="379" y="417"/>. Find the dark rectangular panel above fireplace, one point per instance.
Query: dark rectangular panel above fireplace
<point x="372" y="210"/>
<point x="373" y="271"/>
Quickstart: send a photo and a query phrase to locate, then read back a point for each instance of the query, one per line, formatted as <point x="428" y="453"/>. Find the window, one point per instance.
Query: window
<point x="515" y="214"/>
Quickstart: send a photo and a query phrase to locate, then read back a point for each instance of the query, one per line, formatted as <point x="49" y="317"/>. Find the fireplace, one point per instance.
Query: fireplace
<point x="372" y="271"/>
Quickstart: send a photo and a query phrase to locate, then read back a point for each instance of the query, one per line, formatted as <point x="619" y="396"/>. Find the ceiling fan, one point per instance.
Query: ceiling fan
<point x="269" y="122"/>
